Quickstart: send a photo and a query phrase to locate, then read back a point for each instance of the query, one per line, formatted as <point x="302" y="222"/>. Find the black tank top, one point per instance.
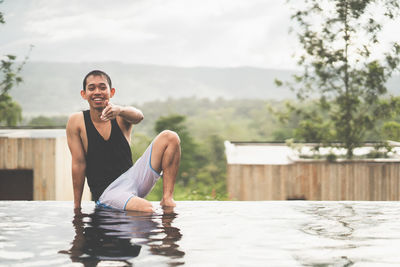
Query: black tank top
<point x="105" y="160"/>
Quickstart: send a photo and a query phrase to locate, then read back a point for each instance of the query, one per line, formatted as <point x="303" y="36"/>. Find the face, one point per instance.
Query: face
<point x="97" y="92"/>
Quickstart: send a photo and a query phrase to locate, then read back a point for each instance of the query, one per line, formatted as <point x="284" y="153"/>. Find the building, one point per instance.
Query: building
<point x="274" y="171"/>
<point x="35" y="164"/>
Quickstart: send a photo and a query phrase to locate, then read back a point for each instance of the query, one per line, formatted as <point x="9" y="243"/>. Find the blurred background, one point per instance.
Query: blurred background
<point x="210" y="70"/>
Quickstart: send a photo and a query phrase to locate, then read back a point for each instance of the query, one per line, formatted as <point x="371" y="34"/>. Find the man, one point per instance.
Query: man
<point x="99" y="141"/>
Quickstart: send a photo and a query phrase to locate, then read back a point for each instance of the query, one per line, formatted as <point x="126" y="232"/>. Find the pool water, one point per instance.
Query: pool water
<point x="202" y="233"/>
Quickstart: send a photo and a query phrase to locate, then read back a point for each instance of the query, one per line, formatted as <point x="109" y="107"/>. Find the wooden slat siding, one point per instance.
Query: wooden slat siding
<point x="230" y="182"/>
<point x="259" y="182"/>
<point x="3" y="154"/>
<point x="50" y="168"/>
<point x="395" y="171"/>
<point x="275" y="175"/>
<point x="234" y="183"/>
<point x="358" y="180"/>
<point x="11" y="150"/>
<point x="290" y="181"/>
<point x="40" y="155"/>
<point x="267" y="190"/>
<point x="316" y="181"/>
<point x="364" y="191"/>
<point x="20" y="157"/>
<point x="250" y="183"/>
<point x="346" y="176"/>
<point x="300" y="182"/>
<point x="394" y="183"/>
<point x="379" y="184"/>
<point x="236" y="174"/>
<point x="309" y="194"/>
<point x="269" y="183"/>
<point x="237" y="183"/>
<point x="244" y="181"/>
<point x="38" y="170"/>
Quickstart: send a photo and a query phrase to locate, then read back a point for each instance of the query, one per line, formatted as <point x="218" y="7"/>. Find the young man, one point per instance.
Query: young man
<point x="99" y="140"/>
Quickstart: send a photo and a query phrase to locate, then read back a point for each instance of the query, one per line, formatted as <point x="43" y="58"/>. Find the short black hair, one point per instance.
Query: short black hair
<point x="96" y="73"/>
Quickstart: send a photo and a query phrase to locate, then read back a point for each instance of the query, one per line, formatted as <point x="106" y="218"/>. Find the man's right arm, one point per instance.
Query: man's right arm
<point x="78" y="158"/>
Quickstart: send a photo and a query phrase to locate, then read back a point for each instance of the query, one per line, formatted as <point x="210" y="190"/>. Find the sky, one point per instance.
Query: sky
<point x="186" y="33"/>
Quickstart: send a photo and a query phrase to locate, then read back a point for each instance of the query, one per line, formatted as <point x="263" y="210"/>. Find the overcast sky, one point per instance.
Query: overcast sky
<point x="218" y="33"/>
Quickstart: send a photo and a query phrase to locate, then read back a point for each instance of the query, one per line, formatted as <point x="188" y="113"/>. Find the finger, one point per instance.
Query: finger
<point x="106" y="110"/>
<point x="104" y="118"/>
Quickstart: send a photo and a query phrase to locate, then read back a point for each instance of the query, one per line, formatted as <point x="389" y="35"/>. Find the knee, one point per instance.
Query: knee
<point x="170" y="137"/>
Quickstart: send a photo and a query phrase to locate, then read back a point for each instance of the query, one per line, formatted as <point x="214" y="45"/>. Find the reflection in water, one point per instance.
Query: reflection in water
<point x="331" y="222"/>
<point x="109" y="235"/>
<point x="339" y="229"/>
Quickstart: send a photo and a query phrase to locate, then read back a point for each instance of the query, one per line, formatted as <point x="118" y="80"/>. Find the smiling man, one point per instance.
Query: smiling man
<point x="99" y="141"/>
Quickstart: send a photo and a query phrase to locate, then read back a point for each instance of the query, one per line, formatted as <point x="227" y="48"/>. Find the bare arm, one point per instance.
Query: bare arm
<point x="78" y="158"/>
<point x="130" y="115"/>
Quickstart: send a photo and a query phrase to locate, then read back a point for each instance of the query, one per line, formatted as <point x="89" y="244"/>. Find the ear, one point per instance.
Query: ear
<point x="83" y="94"/>
<point x="112" y="92"/>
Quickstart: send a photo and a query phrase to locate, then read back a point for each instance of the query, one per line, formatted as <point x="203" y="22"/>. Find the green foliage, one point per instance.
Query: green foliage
<point x="10" y="111"/>
<point x="191" y="158"/>
<point x="139" y="144"/>
<point x="1" y="14"/>
<point x="341" y="69"/>
<point x="391" y="130"/>
<point x="43" y="121"/>
<point x="381" y="150"/>
<point x="202" y="171"/>
<point x="245" y="119"/>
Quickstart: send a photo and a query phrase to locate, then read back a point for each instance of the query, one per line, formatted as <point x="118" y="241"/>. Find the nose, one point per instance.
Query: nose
<point x="97" y="90"/>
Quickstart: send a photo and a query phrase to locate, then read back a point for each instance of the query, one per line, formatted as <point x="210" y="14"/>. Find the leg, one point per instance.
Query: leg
<point x="139" y="204"/>
<point x="166" y="155"/>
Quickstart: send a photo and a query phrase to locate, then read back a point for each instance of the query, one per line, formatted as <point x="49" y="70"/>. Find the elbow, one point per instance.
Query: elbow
<point x="138" y="118"/>
<point x="78" y="166"/>
<point x="141" y="117"/>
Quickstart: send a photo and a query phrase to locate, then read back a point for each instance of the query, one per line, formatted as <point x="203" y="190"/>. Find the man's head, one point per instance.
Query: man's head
<point x="96" y="73"/>
<point x="97" y="89"/>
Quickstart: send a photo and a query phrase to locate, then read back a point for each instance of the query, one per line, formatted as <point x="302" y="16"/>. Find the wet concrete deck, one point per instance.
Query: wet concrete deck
<point x="287" y="233"/>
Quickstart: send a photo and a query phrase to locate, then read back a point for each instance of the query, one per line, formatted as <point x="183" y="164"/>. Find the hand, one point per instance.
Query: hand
<point x="110" y="112"/>
<point x="77" y="210"/>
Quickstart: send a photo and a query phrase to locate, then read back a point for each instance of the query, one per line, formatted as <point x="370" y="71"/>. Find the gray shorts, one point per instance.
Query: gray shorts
<point x="138" y="181"/>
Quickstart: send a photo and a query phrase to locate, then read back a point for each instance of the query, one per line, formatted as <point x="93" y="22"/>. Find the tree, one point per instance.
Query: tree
<point x="10" y="111"/>
<point x="391" y="130"/>
<point x="191" y="159"/>
<point x="343" y="68"/>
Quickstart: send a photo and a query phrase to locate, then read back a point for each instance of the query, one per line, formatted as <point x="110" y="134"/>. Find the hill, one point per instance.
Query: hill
<point x="53" y="88"/>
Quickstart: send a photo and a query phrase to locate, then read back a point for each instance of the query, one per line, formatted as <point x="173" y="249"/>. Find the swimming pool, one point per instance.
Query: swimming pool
<point x="202" y="233"/>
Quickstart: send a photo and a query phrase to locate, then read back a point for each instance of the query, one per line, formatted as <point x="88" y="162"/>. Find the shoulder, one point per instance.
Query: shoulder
<point x="75" y="120"/>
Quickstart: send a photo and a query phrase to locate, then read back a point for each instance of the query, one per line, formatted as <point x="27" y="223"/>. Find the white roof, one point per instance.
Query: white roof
<point x="258" y="153"/>
<point x="280" y="154"/>
<point x="32" y="133"/>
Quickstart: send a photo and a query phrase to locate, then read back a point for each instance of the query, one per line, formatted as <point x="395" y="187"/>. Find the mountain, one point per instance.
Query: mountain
<point x="54" y="88"/>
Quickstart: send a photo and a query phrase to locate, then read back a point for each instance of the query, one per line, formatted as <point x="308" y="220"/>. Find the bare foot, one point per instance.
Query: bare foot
<point x="168" y="203"/>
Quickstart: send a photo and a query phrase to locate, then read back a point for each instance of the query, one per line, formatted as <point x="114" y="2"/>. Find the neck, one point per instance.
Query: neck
<point x="95" y="115"/>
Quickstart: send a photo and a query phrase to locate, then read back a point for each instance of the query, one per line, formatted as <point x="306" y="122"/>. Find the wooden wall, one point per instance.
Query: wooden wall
<point x="50" y="161"/>
<point x="350" y="180"/>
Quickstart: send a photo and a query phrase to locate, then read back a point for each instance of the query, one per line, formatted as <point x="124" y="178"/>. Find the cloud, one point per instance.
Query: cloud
<point x="174" y="32"/>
